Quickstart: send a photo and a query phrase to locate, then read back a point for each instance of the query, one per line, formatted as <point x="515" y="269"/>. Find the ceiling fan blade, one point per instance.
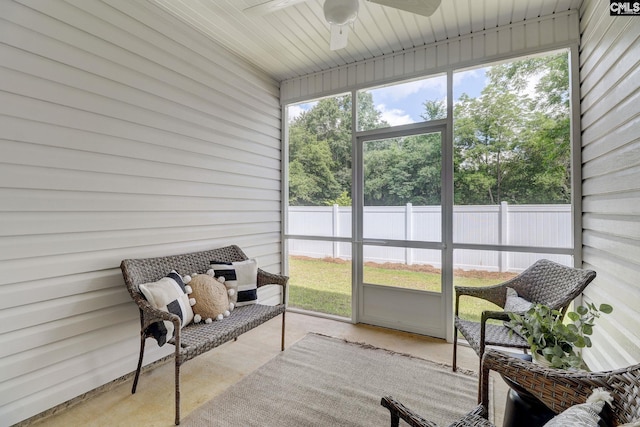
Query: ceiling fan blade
<point x="420" y="7"/>
<point x="270" y="6"/>
<point x="339" y="35"/>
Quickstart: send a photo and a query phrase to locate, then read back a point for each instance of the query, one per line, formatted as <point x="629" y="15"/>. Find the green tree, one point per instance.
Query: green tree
<point x="320" y="149"/>
<point x="434" y="110"/>
<point x="487" y="133"/>
<point x="311" y="181"/>
<point x="403" y="170"/>
<point x="513" y="142"/>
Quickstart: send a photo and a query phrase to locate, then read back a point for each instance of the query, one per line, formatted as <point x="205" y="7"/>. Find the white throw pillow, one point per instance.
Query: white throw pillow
<point x="585" y="414"/>
<point x="242" y="273"/>
<point x="168" y="294"/>
<point x="516" y="304"/>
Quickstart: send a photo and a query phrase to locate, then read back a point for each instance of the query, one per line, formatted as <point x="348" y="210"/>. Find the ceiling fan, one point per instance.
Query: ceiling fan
<point x="340" y="13"/>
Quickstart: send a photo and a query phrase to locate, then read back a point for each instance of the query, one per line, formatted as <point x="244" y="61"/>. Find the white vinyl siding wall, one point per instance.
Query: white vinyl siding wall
<point x="610" y="107"/>
<point x="123" y="133"/>
<point x="522" y="38"/>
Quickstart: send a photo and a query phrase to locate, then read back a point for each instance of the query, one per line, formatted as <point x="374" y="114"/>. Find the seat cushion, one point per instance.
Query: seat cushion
<point x="494" y="335"/>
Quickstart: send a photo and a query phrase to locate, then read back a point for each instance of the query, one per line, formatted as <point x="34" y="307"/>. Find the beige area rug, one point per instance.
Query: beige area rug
<point x="324" y="381"/>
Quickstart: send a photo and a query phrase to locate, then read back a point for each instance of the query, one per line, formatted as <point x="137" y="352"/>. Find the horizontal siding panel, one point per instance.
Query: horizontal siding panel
<point x="84" y="365"/>
<point x="19" y="341"/>
<point x="36" y="200"/>
<point x="20" y="153"/>
<point x="619" y="65"/>
<point x="68" y="389"/>
<point x="212" y="155"/>
<point x="33" y="177"/>
<point x="140" y="46"/>
<point x="617" y="344"/>
<point x="618" y="149"/>
<point x="60" y="308"/>
<point x="22" y="270"/>
<point x="45" y="223"/>
<point x="28" y="108"/>
<point x="125" y="134"/>
<point x="618" y="225"/>
<point x="24" y="293"/>
<point x="21" y="247"/>
<point x="52" y="353"/>
<point x="622" y="248"/>
<point x="160" y="97"/>
<point x="619" y="112"/>
<point x="627" y="203"/>
<point x="86" y="102"/>
<point x="617" y="181"/>
<point x="270" y="295"/>
<point x="609" y="58"/>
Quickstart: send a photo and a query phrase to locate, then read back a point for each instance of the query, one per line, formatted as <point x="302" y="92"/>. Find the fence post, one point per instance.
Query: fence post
<point x="408" y="232"/>
<point x="503" y="219"/>
<point x="335" y="222"/>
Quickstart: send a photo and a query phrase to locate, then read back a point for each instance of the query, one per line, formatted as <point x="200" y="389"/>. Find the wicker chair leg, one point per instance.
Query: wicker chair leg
<point x="484" y="388"/>
<point x="480" y="382"/>
<point x="135" y="379"/>
<point x="177" y="390"/>
<point x="455" y="349"/>
<point x="395" y="419"/>
<point x="395" y="416"/>
<point x="282" y="345"/>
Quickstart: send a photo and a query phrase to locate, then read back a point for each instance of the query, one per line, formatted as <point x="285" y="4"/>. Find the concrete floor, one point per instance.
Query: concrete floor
<point x="210" y="374"/>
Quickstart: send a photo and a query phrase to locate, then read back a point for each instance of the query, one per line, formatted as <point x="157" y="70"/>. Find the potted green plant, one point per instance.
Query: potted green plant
<point x="554" y="342"/>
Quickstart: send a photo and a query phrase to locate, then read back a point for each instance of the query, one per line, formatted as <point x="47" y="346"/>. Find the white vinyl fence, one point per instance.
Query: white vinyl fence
<point x="504" y="224"/>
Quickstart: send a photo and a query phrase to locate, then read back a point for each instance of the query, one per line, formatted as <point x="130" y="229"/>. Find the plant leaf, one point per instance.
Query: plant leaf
<point x="606" y="308"/>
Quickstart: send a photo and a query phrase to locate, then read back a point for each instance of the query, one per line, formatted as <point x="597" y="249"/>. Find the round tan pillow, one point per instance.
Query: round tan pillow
<point x="212" y="301"/>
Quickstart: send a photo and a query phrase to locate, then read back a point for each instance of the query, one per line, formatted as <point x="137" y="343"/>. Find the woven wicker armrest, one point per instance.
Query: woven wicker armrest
<point x="398" y="410"/>
<point x="266" y="278"/>
<point x="476" y="418"/>
<point x="498" y="315"/>
<point x="559" y="389"/>
<point x="151" y="315"/>
<point x="495" y="294"/>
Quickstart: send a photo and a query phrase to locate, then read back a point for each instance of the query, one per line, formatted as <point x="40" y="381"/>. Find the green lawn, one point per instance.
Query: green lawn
<point x="324" y="285"/>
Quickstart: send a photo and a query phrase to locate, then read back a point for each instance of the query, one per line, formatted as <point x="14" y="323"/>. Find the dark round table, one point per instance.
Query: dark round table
<point x="522" y="409"/>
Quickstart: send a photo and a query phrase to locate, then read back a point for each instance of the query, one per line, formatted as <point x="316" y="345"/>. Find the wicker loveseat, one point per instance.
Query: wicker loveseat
<point x="196" y="339"/>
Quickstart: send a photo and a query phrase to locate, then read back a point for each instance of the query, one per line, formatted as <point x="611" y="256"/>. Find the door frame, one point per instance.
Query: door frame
<point x="444" y="298"/>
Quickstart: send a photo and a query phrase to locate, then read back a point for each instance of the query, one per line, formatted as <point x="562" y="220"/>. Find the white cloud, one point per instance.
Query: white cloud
<point x="394" y="116"/>
<point x="399" y="92"/>
<point x="470" y="82"/>
<point x="293" y="111"/>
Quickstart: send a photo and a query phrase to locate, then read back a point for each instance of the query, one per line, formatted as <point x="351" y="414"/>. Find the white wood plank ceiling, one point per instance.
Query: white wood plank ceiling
<point x="294" y="41"/>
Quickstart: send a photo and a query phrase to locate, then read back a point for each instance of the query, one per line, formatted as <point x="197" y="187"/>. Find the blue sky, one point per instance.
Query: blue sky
<point x="402" y="103"/>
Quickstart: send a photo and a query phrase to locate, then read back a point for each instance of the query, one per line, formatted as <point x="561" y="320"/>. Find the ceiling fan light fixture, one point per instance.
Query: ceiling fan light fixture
<point x="341" y="12"/>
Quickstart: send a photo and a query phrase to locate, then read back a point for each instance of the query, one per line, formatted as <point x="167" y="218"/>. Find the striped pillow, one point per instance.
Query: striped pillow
<point x="242" y="273"/>
<point x="168" y="294"/>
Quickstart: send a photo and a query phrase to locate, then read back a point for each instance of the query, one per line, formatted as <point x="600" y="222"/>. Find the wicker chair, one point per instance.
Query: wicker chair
<point x="544" y="282"/>
<point x="557" y="389"/>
